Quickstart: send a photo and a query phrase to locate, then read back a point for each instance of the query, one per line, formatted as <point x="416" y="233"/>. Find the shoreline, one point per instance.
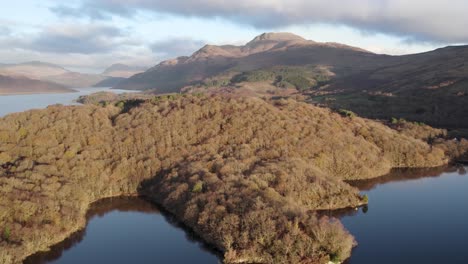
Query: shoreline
<point x="168" y="216"/>
<point x="32" y="93"/>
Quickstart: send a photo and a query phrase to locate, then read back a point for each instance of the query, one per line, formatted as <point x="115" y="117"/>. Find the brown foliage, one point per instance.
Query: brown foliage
<point x="245" y="174"/>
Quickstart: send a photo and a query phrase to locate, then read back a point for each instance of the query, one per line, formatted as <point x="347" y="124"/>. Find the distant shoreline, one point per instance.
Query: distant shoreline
<point x="43" y="92"/>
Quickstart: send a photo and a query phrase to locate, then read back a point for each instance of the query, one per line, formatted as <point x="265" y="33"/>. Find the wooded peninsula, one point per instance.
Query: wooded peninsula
<point x="247" y="175"/>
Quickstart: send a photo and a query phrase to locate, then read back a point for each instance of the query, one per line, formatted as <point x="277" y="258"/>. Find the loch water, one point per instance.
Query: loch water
<point x="417" y="216"/>
<point x="22" y="102"/>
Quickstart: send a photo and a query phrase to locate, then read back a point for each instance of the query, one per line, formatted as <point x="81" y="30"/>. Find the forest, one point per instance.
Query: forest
<point x="245" y="174"/>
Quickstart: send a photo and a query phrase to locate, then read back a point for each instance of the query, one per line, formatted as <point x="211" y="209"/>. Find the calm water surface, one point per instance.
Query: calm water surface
<point x="128" y="230"/>
<point x="18" y="103"/>
<point x="417" y="216"/>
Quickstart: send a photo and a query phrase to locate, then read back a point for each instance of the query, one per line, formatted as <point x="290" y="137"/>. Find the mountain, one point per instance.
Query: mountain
<point x="51" y="73"/>
<point x="122" y="70"/>
<point x="33" y="69"/>
<point x="23" y="85"/>
<point x="265" y="50"/>
<point x="430" y="87"/>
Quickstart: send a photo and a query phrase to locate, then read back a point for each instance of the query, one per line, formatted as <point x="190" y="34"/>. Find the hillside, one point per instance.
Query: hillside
<point x="267" y="50"/>
<point x="122" y="71"/>
<point x="22" y="85"/>
<point x="430" y="87"/>
<point x="245" y="174"/>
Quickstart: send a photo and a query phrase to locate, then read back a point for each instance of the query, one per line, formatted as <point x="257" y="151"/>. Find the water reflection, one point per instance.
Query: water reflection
<point x="402" y="175"/>
<point x="414" y="216"/>
<point x="161" y="241"/>
<point x="396" y="175"/>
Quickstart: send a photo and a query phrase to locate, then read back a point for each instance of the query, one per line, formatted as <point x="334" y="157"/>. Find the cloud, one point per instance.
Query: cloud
<point x="175" y="47"/>
<point x="419" y="20"/>
<point x="82" y="46"/>
<point x="4" y="31"/>
<point x="67" y="11"/>
<point x="82" y="39"/>
<point x="98" y="10"/>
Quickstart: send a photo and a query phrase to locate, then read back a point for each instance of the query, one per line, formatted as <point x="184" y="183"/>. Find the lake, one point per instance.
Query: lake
<point x="414" y="216"/>
<point x="128" y="230"/>
<point x="23" y="102"/>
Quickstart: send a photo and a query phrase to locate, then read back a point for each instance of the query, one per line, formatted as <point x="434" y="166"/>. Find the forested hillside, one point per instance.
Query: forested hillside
<point x="246" y="174"/>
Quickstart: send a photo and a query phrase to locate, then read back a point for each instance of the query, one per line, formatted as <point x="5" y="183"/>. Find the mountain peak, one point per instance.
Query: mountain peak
<point x="279" y="37"/>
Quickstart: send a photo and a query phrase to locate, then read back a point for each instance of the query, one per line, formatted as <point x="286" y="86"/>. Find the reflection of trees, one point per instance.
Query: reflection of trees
<point x="397" y="175"/>
<point x="103" y="207"/>
<point x="400" y="175"/>
<point x="340" y="213"/>
<point x="56" y="251"/>
<point x="462" y="170"/>
<point x="190" y="235"/>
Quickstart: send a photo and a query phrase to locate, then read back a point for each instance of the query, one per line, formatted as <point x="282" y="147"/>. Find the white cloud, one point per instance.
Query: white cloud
<point x="83" y="39"/>
<point x="436" y="20"/>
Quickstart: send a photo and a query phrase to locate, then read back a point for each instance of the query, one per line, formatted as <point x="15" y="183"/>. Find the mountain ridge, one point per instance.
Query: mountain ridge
<point x="266" y="49"/>
<point x="58" y="75"/>
<point x="429" y="87"/>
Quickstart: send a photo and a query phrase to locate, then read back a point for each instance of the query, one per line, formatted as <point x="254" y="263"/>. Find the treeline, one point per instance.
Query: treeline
<point x="244" y="173"/>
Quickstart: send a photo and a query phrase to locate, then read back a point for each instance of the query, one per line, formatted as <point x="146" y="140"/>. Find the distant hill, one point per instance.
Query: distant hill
<point x="109" y="82"/>
<point x="51" y="73"/>
<point x="122" y="70"/>
<point x="34" y="69"/>
<point x="430" y="87"/>
<point x="23" y="85"/>
<point x="77" y="80"/>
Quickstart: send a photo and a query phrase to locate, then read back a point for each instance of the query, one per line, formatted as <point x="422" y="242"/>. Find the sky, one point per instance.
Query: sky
<point x="90" y="35"/>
